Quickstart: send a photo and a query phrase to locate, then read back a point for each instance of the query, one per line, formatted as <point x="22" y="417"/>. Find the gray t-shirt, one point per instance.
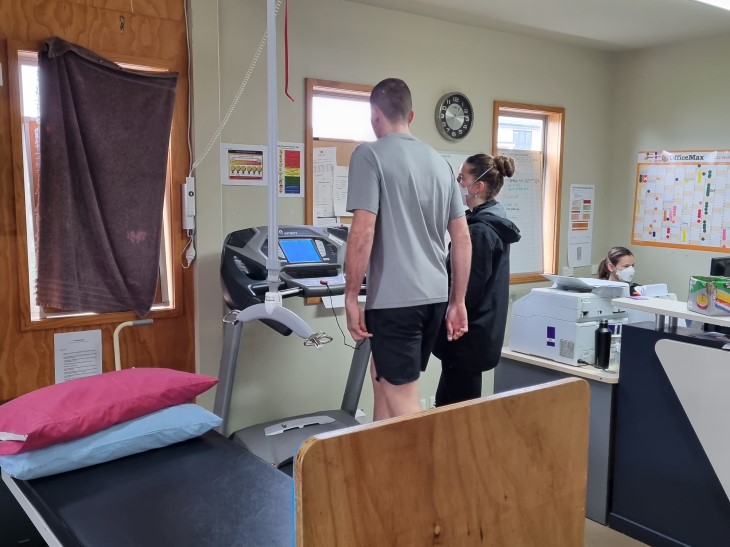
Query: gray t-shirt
<point x="412" y="190"/>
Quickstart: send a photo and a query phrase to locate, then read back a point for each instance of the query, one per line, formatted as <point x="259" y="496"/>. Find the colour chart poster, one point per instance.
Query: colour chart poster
<point x="682" y="199"/>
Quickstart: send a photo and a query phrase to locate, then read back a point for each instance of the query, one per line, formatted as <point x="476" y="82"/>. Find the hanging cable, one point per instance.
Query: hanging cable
<point x="236" y="98"/>
<point x="188" y="253"/>
<point x="187" y="256"/>
<point x="344" y="338"/>
<point x="286" y="51"/>
<point x="190" y="95"/>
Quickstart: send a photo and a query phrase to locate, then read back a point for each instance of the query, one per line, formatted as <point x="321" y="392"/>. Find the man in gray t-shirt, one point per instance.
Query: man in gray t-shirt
<point x="403" y="198"/>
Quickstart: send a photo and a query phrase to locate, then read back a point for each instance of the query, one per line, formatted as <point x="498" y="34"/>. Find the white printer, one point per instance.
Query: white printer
<point x="560" y="322"/>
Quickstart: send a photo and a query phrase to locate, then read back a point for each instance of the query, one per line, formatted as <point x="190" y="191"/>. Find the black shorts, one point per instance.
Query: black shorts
<point x="403" y="339"/>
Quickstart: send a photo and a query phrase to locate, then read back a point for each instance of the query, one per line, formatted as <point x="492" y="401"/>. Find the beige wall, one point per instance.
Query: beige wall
<point x="338" y="40"/>
<point x="668" y="98"/>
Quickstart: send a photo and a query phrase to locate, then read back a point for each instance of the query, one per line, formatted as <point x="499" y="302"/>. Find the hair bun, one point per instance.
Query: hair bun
<point x="505" y="165"/>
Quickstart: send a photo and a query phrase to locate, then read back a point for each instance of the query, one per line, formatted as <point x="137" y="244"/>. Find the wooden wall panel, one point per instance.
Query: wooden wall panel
<point x="168" y="9"/>
<point x="97" y="29"/>
<point x="154" y="30"/>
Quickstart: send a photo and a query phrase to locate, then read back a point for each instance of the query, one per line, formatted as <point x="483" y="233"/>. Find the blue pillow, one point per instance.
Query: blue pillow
<point x="162" y="428"/>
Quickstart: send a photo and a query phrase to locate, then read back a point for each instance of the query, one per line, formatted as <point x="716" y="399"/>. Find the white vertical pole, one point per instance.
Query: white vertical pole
<point x="272" y="263"/>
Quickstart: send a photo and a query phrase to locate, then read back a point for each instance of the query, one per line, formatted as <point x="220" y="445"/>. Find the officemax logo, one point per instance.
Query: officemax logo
<point x="687" y="157"/>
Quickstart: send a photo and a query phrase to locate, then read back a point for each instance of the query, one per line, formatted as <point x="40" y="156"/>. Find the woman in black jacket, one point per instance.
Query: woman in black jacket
<point x="481" y="177"/>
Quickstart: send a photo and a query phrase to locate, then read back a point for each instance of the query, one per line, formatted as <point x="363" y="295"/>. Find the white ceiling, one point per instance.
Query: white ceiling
<point x="611" y="25"/>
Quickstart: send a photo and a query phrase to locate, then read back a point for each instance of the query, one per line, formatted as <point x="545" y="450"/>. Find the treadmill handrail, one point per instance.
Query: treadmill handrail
<point x="280" y="314"/>
<point x="232" y="340"/>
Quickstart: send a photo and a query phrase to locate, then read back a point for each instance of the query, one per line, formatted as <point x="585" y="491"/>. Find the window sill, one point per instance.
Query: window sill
<point x="97" y="319"/>
<point x="527" y="278"/>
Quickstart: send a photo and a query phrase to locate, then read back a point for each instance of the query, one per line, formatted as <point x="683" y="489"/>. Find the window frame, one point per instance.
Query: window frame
<point x="171" y="213"/>
<point x="553" y="137"/>
<point x="330" y="88"/>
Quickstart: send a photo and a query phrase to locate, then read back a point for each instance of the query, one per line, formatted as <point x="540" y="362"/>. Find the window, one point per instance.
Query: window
<point x="338" y="119"/>
<point x="29" y="108"/>
<point x="533" y="137"/>
<point x="344" y="118"/>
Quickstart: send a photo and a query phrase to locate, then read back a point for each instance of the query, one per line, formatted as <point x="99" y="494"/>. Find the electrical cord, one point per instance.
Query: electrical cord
<point x="583" y="363"/>
<point x="188" y="251"/>
<point x="344" y="338"/>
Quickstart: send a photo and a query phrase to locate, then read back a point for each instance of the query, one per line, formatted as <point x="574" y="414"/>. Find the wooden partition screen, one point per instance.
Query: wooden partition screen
<point x="509" y="469"/>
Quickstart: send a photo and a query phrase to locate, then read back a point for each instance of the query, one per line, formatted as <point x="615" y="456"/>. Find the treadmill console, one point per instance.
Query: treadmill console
<point x="311" y="258"/>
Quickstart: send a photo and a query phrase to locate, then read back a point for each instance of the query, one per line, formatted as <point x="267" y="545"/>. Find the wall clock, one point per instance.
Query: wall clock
<point x="454" y="116"/>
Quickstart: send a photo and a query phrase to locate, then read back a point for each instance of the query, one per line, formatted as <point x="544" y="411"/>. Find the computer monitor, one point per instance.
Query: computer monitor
<point x="720" y="265"/>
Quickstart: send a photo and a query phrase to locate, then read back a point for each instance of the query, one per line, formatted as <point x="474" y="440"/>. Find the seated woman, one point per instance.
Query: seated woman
<point x="619" y="265"/>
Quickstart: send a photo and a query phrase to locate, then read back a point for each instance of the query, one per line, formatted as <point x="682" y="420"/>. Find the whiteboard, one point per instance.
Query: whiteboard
<point x="522" y="197"/>
<point x="455" y="159"/>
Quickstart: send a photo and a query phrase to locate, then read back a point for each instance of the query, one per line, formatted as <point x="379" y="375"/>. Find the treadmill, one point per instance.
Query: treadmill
<point x="312" y="265"/>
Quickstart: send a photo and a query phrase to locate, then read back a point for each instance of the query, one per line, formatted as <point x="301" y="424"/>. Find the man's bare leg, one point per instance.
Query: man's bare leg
<point x="402" y="399"/>
<point x="381" y="411"/>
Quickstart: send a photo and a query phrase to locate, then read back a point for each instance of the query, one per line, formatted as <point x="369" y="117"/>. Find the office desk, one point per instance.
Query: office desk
<point x="673" y="309"/>
<point x="671" y="473"/>
<point x="204" y="492"/>
<point x="517" y="370"/>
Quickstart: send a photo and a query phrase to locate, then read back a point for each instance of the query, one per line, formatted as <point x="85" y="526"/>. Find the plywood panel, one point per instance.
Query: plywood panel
<point x="161" y="9"/>
<point x="153" y="34"/>
<point x="500" y="471"/>
<point x="98" y="29"/>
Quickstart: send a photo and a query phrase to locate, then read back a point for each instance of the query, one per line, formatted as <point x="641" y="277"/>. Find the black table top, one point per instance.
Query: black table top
<point x="203" y="492"/>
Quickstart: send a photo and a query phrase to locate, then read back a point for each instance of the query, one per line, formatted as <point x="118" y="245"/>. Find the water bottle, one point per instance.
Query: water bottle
<point x="603" y="344"/>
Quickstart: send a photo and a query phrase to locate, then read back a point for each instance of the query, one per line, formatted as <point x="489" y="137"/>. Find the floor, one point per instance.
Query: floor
<point x="598" y="535"/>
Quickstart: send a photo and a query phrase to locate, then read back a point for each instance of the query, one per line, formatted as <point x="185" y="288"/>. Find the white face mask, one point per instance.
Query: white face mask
<point x="464" y="195"/>
<point x="464" y="192"/>
<point x="626" y="275"/>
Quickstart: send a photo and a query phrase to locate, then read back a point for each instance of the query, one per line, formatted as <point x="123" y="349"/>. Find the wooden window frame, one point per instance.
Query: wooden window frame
<point x="330" y="88"/>
<point x="554" y="118"/>
<point x="171" y="214"/>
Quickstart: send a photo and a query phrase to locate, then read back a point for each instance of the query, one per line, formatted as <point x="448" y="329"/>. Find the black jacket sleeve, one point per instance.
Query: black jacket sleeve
<point x="481" y="264"/>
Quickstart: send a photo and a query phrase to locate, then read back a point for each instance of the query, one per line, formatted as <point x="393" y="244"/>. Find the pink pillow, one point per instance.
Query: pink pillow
<point x="76" y="408"/>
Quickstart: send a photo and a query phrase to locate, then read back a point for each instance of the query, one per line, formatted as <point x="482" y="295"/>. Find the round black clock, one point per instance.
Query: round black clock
<point x="454" y="116"/>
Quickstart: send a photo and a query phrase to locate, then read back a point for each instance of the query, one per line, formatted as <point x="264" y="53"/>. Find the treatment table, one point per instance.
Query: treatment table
<point x="202" y="492"/>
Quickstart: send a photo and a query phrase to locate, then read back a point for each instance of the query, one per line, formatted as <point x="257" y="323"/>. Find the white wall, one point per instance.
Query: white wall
<point x="667" y="98"/>
<point x="338" y="40"/>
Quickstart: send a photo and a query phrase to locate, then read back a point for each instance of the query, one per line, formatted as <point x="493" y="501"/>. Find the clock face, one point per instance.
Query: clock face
<point x="454" y="116"/>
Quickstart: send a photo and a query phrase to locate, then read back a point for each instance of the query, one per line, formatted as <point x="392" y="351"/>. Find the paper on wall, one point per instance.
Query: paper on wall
<point x="290" y="169"/>
<point x="340" y="191"/>
<point x="580" y="222"/>
<point x="323" y="181"/>
<point x="77" y="354"/>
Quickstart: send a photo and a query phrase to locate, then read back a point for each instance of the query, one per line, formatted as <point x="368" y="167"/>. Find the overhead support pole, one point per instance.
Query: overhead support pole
<point x="273" y="265"/>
